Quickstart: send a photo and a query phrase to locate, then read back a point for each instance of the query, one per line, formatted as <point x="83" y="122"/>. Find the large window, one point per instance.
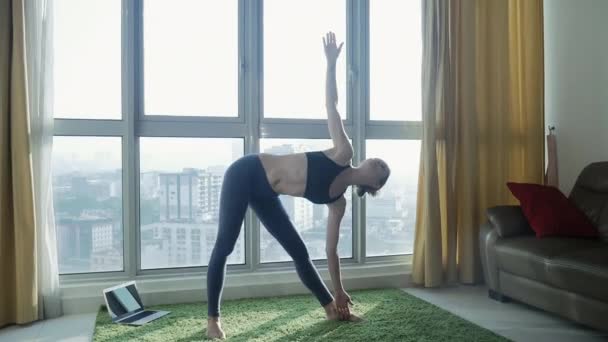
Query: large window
<point x="155" y="99"/>
<point x="391" y="215"/>
<point x="179" y="199"/>
<point x="179" y="191"/>
<point x="87" y="189"/>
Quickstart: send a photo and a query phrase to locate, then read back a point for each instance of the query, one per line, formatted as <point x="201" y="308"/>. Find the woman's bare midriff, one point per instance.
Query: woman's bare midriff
<point x="286" y="174"/>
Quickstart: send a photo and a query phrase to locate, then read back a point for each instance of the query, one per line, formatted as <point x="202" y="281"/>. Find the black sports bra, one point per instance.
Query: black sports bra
<point x="321" y="172"/>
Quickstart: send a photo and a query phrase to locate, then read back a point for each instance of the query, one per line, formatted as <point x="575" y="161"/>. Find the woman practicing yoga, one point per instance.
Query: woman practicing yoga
<point x="321" y="177"/>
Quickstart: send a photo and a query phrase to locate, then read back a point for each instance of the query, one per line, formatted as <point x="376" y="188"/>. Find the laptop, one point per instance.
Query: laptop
<point x="125" y="306"/>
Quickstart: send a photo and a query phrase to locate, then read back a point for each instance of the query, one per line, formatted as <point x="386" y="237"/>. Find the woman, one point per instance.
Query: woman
<point x="321" y="177"/>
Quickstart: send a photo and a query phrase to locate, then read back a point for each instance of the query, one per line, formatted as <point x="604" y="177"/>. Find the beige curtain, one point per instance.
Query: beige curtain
<point x="482" y="126"/>
<point x="18" y="289"/>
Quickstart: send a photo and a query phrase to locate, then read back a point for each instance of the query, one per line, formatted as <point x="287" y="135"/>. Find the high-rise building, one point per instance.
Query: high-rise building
<point x="149" y="184"/>
<point x="179" y="196"/>
<point x="302" y="214"/>
<point x="177" y="244"/>
<point x="210" y="189"/>
<point x="319" y="212"/>
<point x="84" y="241"/>
<point x="186" y="229"/>
<point x="238" y="253"/>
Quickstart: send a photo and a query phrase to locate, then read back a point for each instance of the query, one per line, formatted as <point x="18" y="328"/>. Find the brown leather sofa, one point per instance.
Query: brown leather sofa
<point x="566" y="276"/>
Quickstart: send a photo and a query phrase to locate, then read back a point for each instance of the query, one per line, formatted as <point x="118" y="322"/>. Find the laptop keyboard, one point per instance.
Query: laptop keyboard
<point x="138" y="316"/>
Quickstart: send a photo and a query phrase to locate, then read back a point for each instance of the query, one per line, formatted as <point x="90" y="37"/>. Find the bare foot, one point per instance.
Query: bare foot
<point x="331" y="314"/>
<point x="354" y="318"/>
<point x="214" y="329"/>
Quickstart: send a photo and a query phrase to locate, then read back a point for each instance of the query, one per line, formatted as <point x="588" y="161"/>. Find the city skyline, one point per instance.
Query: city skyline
<point x="158" y="154"/>
<point x="180" y="230"/>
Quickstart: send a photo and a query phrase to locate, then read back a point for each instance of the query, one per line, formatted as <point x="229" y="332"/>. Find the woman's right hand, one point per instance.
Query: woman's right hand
<point x="343" y="301"/>
<point x="332" y="51"/>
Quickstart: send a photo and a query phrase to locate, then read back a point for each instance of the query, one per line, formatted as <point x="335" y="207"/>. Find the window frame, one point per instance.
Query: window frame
<point x="249" y="125"/>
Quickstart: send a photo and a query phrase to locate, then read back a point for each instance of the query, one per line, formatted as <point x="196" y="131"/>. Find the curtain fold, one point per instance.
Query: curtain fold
<point x="18" y="288"/>
<point x="482" y="84"/>
<point x="27" y="238"/>
<point x="39" y="58"/>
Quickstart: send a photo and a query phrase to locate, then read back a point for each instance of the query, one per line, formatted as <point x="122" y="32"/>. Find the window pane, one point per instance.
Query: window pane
<point x="391" y="215"/>
<point x="294" y="61"/>
<point x="191" y="57"/>
<point x="87" y="191"/>
<point x="309" y="219"/>
<point x="180" y="184"/>
<point x="395" y="60"/>
<point x="86" y="59"/>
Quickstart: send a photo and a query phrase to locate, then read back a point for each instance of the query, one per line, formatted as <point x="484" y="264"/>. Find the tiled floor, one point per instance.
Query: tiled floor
<point x="72" y="328"/>
<point x="514" y="321"/>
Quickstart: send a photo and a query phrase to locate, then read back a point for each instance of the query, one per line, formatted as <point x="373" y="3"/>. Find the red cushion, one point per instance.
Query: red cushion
<point x="550" y="213"/>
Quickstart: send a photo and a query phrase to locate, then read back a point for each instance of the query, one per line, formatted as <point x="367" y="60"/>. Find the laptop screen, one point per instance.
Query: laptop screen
<point x="123" y="300"/>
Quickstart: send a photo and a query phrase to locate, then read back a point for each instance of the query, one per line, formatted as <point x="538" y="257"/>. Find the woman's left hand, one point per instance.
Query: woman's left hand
<point x="342" y="304"/>
<point x="332" y="51"/>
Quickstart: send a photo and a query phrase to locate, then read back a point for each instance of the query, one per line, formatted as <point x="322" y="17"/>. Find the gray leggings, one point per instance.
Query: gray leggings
<point x="245" y="184"/>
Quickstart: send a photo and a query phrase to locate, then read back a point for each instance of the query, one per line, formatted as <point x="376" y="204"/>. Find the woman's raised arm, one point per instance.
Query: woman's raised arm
<point x="334" y="121"/>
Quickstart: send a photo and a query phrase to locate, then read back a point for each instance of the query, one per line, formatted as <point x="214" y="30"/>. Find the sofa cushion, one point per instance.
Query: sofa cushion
<point x="590" y="195"/>
<point x="529" y="257"/>
<point x="550" y="213"/>
<point x="595" y="206"/>
<point x="582" y="271"/>
<point x="509" y="220"/>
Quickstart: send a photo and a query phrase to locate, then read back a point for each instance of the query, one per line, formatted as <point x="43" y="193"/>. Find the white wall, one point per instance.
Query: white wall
<point x="576" y="82"/>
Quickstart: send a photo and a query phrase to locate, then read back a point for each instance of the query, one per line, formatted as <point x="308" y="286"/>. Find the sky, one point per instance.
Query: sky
<point x="175" y="154"/>
<point x="87" y="59"/>
<point x="395" y="60"/>
<point x="294" y="60"/>
<point x="191" y="57"/>
<point x="191" y="64"/>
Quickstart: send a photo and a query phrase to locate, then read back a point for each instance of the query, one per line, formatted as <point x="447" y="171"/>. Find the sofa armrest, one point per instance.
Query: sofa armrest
<point x="487" y="248"/>
<point x="508" y="220"/>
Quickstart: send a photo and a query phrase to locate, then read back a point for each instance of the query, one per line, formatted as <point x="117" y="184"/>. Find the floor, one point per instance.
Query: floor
<point x="72" y="328"/>
<point x="514" y="321"/>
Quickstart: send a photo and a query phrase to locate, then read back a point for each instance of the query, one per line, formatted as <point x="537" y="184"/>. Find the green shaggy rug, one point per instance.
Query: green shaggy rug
<point x="390" y="315"/>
